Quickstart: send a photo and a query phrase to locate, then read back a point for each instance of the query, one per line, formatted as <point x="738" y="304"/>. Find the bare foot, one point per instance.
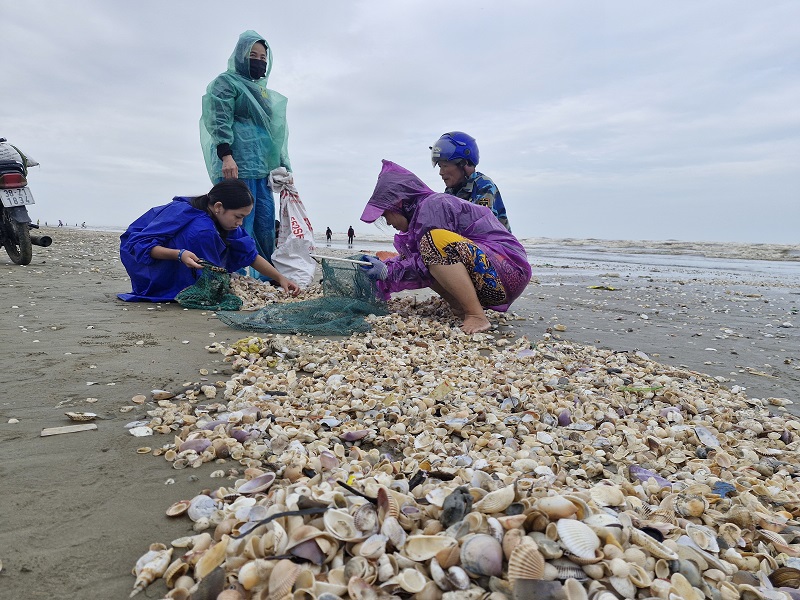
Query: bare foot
<point x="475" y="324"/>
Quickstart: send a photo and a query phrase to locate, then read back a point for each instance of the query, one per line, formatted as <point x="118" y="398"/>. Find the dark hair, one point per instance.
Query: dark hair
<point x="232" y="193"/>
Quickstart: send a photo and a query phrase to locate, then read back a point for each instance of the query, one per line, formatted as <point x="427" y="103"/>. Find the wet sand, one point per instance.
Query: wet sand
<point x="80" y="508"/>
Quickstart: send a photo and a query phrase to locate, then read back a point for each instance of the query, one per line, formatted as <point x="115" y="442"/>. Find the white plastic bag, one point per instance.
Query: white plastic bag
<point x="295" y="243"/>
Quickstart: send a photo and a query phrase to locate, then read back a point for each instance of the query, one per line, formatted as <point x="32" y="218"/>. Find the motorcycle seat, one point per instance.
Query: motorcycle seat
<point x="11" y="165"/>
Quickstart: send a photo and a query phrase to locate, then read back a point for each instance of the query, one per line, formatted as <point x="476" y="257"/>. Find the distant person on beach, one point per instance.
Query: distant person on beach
<point x="243" y="132"/>
<point x="456" y="154"/>
<point x="458" y="249"/>
<point x="351" y="233"/>
<point x="162" y="249"/>
<point x="83" y="224"/>
<point x="328" y="236"/>
<point x="60" y="224"/>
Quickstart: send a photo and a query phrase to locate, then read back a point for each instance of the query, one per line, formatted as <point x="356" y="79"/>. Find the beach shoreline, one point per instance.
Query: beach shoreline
<point x="85" y="505"/>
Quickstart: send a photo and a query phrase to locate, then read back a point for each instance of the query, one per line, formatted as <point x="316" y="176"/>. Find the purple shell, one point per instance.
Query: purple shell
<point x="240" y="435"/>
<point x="564" y="418"/>
<point x="213" y="424"/>
<point x="197" y="444"/>
<point x="643" y="474"/>
<point x="352" y="436"/>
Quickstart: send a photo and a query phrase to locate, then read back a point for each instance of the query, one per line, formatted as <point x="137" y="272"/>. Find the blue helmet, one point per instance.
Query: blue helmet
<point x="454" y="146"/>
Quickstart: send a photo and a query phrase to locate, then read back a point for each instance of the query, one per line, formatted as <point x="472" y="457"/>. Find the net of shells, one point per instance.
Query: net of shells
<point x="257" y="294"/>
<point x="417" y="462"/>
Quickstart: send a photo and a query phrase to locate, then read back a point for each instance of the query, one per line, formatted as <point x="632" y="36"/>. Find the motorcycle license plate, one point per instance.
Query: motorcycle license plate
<point x="16" y="197"/>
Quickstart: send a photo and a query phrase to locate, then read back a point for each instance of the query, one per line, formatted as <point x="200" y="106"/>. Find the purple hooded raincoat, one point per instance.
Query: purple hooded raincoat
<point x="401" y="191"/>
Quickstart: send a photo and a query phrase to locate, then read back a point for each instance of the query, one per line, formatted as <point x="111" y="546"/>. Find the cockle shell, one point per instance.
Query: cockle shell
<point x="526" y="562"/>
<point x="578" y="538"/>
<point x="411" y="580"/>
<point x="496" y="501"/>
<point x="482" y="554"/>
<point x="282" y="578"/>
<point x="150" y="566"/>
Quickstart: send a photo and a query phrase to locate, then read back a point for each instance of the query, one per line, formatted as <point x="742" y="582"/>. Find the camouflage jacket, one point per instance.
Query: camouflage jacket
<point x="479" y="189"/>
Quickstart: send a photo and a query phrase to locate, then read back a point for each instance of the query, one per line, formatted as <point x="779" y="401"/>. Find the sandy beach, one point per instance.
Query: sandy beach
<point x="80" y="508"/>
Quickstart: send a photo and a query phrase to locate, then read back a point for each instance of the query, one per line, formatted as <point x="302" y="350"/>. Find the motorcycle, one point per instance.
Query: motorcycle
<point x="15" y="224"/>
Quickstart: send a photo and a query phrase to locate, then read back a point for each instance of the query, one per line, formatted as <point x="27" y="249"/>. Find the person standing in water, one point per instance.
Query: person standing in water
<point x="351" y="233"/>
<point x="328" y="236"/>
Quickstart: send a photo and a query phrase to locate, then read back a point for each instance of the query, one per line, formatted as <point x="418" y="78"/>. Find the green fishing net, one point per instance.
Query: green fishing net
<point x="348" y="297"/>
<point x="212" y="291"/>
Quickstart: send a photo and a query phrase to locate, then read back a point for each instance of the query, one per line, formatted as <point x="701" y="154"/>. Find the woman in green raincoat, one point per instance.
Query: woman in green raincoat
<point x="244" y="134"/>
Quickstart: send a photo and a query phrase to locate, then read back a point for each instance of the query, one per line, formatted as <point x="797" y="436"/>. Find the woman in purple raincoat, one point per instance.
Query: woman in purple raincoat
<point x="458" y="249"/>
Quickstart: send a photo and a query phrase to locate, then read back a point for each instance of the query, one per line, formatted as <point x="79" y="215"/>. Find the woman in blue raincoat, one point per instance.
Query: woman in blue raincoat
<point x="243" y="132"/>
<point x="162" y="249"/>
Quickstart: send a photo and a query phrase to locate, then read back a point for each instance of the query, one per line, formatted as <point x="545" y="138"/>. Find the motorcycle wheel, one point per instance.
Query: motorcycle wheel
<point x="18" y="241"/>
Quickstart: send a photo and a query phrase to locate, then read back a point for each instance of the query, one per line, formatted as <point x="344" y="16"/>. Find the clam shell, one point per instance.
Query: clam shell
<point x="607" y="495"/>
<point x="526" y="562"/>
<point x="482" y="554"/>
<point x="178" y="508"/>
<point x="212" y="558"/>
<point x="652" y="546"/>
<point x="703" y="536"/>
<point x="556" y="507"/>
<point x="496" y="501"/>
<point x="420" y="548"/>
<point x="411" y="580"/>
<point x="257" y="484"/>
<point x="200" y="507"/>
<point x="341" y="525"/>
<point x="578" y="538"/>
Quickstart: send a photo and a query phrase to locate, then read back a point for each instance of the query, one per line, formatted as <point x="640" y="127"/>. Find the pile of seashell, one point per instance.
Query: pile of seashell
<point x="417" y="462"/>
<point x="257" y="294"/>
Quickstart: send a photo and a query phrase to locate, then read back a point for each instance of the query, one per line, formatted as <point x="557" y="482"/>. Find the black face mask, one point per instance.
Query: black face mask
<point x="258" y="68"/>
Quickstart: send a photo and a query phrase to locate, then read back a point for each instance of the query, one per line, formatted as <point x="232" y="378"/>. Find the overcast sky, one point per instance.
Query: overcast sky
<point x="596" y="119"/>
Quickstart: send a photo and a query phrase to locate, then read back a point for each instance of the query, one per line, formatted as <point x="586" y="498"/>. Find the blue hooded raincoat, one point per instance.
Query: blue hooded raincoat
<point x="177" y="225"/>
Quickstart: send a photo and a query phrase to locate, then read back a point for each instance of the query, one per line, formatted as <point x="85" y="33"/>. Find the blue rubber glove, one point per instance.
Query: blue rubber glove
<point x="378" y="270"/>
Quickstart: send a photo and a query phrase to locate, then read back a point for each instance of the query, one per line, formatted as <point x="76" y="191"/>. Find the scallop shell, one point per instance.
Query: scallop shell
<point x="178" y="568"/>
<point x="482" y="554"/>
<point x="420" y="548"/>
<point x="526" y="562"/>
<point x="496" y="501"/>
<point x="578" y="538"/>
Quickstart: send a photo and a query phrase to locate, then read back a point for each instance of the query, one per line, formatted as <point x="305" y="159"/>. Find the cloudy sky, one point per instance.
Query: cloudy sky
<point x="614" y="120"/>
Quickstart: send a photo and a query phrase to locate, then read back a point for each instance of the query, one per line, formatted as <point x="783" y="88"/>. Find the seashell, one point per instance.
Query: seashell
<point x="703" y="536"/>
<point x="373" y="547"/>
<point x="683" y="588"/>
<point x="482" y="554"/>
<point x="211" y="558"/>
<point x="623" y="586"/>
<point x="341" y="525"/>
<point x="449" y="557"/>
<point x="691" y="506"/>
<point x="785" y="577"/>
<point x="526" y="562"/>
<point x="566" y="569"/>
<point x="411" y="580"/>
<point x="81" y="416"/>
<point x="257" y="484"/>
<point x="177" y="569"/>
<point x="360" y="568"/>
<point x="420" y="548"/>
<point x="578" y="538"/>
<point x="200" y="507"/>
<point x="496" y="501"/>
<point x="387" y="504"/>
<point x="607" y="495"/>
<point x="458" y="578"/>
<point x="394" y="532"/>
<point x="282" y="578"/>
<point x="150" y="566"/>
<point x="652" y="546"/>
<point x="574" y="590"/>
<point x="556" y="507"/>
<point x="179" y="508"/>
<point x="365" y="518"/>
<point x="525" y="589"/>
